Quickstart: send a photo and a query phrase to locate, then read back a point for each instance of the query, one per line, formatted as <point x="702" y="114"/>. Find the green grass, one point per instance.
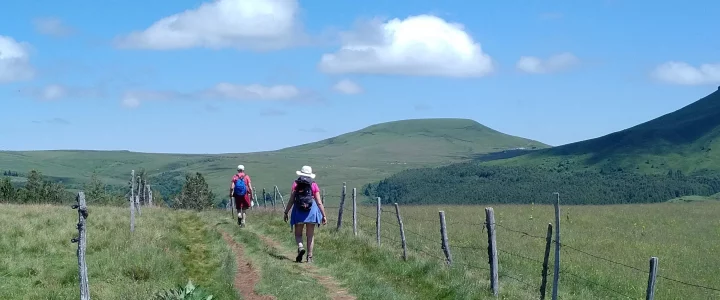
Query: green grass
<point x="38" y="260"/>
<point x="357" y="157"/>
<point x="171" y="247"/>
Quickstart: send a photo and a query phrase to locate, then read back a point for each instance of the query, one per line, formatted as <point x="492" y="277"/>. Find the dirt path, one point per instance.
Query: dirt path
<point x="246" y="276"/>
<point x="334" y="290"/>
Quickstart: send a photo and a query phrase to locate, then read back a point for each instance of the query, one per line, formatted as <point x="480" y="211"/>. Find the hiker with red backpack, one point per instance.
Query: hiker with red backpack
<point x="307" y="210"/>
<point x="241" y="193"/>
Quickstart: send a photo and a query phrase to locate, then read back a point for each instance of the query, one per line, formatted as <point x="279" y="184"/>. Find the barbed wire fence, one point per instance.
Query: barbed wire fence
<point x="413" y="239"/>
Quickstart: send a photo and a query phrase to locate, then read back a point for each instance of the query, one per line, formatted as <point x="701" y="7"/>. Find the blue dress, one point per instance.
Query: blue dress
<point x="314" y="216"/>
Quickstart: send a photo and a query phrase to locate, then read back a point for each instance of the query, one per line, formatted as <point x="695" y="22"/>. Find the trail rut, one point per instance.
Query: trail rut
<point x="246" y="277"/>
<point x="335" y="291"/>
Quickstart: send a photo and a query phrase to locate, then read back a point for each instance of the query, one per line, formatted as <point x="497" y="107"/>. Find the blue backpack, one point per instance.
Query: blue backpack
<point x="240" y="187"/>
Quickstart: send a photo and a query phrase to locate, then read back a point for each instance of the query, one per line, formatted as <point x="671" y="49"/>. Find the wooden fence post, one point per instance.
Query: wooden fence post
<point x="132" y="215"/>
<point x="231" y="205"/>
<point x="82" y="244"/>
<point x="342" y="205"/>
<point x="254" y="200"/>
<point x="282" y="200"/>
<point x="264" y="199"/>
<point x="132" y="186"/>
<point x="548" y="242"/>
<point x="274" y="198"/>
<point x="377" y="222"/>
<point x="354" y="200"/>
<point x="651" y="279"/>
<point x="443" y="235"/>
<point x="556" y="273"/>
<point x="402" y="231"/>
<point x="149" y="191"/>
<point x="492" y="249"/>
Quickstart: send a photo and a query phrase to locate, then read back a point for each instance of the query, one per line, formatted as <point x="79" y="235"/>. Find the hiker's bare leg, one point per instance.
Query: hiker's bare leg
<point x="310" y="238"/>
<point x="298" y="234"/>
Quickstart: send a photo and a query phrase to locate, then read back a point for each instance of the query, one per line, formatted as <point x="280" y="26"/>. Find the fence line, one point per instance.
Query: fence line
<point x="408" y="245"/>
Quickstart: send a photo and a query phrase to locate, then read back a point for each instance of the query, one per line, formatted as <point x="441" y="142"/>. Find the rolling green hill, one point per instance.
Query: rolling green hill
<point x="357" y="157"/>
<point x="675" y="155"/>
<point x="687" y="139"/>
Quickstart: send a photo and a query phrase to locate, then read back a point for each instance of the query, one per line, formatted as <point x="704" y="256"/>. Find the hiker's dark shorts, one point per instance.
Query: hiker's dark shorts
<point x="242" y="202"/>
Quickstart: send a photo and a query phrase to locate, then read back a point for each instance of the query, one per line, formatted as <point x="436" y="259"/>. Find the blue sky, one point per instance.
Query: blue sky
<point x="99" y="75"/>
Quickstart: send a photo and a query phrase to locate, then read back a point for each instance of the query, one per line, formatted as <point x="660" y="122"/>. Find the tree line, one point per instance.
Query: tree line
<point x="192" y="193"/>
<point x="472" y="183"/>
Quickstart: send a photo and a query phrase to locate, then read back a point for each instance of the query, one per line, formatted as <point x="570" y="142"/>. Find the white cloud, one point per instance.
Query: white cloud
<point x="255" y="24"/>
<point x="555" y="63"/>
<point x="59" y="91"/>
<point x="52" y="26"/>
<point x="346" y="86"/>
<point x="684" y="74"/>
<point x="423" y="45"/>
<point x="255" y="91"/>
<point x="130" y="101"/>
<point x="14" y="61"/>
<point x="221" y="91"/>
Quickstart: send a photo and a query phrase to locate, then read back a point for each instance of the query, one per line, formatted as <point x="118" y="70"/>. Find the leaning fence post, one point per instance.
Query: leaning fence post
<point x="492" y="249"/>
<point x="548" y="242"/>
<point x="651" y="279"/>
<point x="281" y="196"/>
<point x="377" y="222"/>
<point x="342" y="205"/>
<point x="149" y="191"/>
<point x="264" y="199"/>
<point x="556" y="273"/>
<point x="354" y="200"/>
<point x="82" y="244"/>
<point x="274" y="198"/>
<point x="254" y="200"/>
<point x="443" y="234"/>
<point x="402" y="231"/>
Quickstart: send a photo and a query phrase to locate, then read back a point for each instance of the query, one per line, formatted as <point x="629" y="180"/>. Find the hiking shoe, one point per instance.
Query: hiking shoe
<point x="301" y="253"/>
<point x="309" y="259"/>
<point x="239" y="221"/>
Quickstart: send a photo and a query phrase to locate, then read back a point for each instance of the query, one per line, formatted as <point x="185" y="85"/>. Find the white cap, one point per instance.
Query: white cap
<point x="241" y="168"/>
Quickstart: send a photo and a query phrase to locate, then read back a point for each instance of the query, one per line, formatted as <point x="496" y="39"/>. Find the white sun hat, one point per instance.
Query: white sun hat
<point x="305" y="171"/>
<point x="241" y="168"/>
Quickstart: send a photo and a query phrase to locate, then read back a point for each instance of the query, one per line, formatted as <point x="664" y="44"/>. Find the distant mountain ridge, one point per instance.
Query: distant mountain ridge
<point x="687" y="139"/>
<point x="356" y="158"/>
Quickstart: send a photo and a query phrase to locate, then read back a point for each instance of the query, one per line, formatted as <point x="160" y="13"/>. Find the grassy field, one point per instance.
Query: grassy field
<point x="38" y="260"/>
<point x="170" y="247"/>
<point x="682" y="236"/>
<point x="357" y="157"/>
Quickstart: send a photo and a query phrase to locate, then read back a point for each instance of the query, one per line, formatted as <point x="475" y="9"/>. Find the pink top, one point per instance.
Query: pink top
<point x="315" y="188"/>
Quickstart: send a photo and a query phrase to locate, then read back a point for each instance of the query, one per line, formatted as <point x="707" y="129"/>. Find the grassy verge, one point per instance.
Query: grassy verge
<point x="39" y="262"/>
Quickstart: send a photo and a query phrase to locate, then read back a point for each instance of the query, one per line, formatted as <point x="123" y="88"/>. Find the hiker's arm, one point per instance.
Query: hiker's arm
<point x="232" y="187"/>
<point x="250" y="188"/>
<point x="318" y="200"/>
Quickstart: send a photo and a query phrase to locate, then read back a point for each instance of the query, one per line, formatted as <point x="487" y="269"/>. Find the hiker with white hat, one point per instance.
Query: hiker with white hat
<point x="241" y="192"/>
<point x="307" y="210"/>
